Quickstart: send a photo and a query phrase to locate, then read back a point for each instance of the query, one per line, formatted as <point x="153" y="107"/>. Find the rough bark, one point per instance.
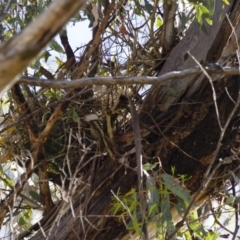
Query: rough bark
<point x="204" y="48"/>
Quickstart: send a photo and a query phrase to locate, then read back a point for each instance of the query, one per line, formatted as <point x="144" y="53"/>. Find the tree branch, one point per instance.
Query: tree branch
<point x="71" y="61"/>
<point x="128" y="80"/>
<point x="83" y="65"/>
<point x="16" y="54"/>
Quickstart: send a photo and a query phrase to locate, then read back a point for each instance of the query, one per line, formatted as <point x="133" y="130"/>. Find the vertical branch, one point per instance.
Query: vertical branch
<point x="168" y="34"/>
<point x="138" y="146"/>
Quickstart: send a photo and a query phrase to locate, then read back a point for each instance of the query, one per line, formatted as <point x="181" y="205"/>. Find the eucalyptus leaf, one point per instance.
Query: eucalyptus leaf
<point x="56" y="47"/>
<point x="196" y="226"/>
<point x="175" y="187"/>
<point x="35" y="195"/>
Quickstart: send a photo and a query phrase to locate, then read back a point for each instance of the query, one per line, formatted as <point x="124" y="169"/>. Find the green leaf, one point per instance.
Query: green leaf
<point x="167" y="216"/>
<point x="75" y="116"/>
<point x="202" y="12"/>
<point x="132" y="206"/>
<point x="198" y="14"/>
<point x="209" y="21"/>
<point x="187" y="235"/>
<point x="34" y="195"/>
<point x="59" y="61"/>
<point x="174" y="185"/>
<point x="153" y="209"/>
<point x="196" y="226"/>
<point x="56" y="47"/>
<point x="9" y="181"/>
<point x="153" y="194"/>
<point x="203" y="9"/>
<point x="27" y="213"/>
<point x="158" y="21"/>
<point x="116" y="207"/>
<point x="173" y="170"/>
<point x="226" y="2"/>
<point x="181" y="206"/>
<point x="8" y="34"/>
<point x="230" y="200"/>
<point x="212" y="236"/>
<point x="11" y="20"/>
<point x="22" y="221"/>
<point x="149" y="166"/>
<point x="58" y="94"/>
<point x="152" y="190"/>
<point x="46" y="55"/>
<point x="138" y="8"/>
<point x="136" y="225"/>
<point x="211" y="7"/>
<point x="91" y="20"/>
<point x="15" y="213"/>
<point x="36" y="64"/>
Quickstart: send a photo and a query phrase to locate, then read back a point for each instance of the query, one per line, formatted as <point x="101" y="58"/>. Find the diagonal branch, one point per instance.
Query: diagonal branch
<point x="71" y="61"/>
<point x="20" y="50"/>
<point x="24" y="109"/>
<point x="96" y="40"/>
<point x="45" y="73"/>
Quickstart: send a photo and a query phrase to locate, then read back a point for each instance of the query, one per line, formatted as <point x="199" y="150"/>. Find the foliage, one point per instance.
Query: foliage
<point x="160" y="201"/>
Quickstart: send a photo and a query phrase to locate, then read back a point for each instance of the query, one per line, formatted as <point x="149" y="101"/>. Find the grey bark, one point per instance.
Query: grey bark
<point x="198" y="44"/>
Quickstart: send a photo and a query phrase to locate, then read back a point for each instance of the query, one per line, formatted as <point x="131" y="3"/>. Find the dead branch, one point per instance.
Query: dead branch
<point x="50" y="83"/>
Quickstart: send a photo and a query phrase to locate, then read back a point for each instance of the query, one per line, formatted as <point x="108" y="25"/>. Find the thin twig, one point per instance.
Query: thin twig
<point x="212" y="86"/>
<point x="217" y="221"/>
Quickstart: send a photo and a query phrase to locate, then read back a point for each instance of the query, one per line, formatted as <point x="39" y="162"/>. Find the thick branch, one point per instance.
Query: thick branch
<point x="16" y="54"/>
